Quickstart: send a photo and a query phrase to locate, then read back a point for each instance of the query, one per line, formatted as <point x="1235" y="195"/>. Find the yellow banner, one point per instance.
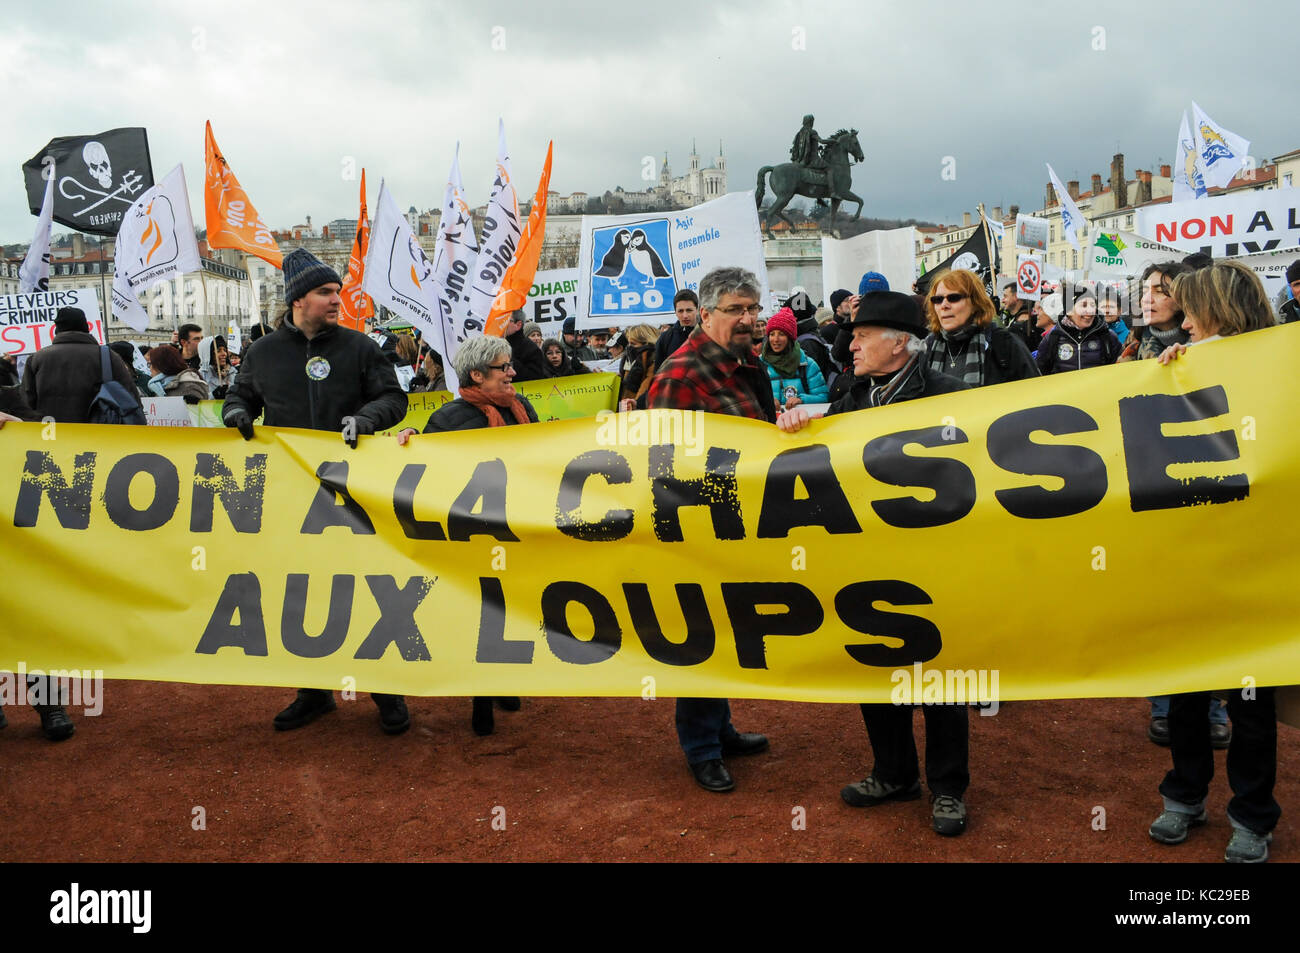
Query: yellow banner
<point x="1116" y="532"/>
<point x="559" y="398"/>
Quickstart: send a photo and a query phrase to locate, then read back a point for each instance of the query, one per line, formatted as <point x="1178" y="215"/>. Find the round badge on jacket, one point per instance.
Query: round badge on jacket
<point x="1065" y="351"/>
<point x="318" y="368"/>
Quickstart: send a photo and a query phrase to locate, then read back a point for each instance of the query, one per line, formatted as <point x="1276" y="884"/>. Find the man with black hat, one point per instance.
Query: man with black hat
<point x="887" y="350"/>
<point x="311" y="373"/>
<point x="1290" y="311"/>
<point x="573" y="346"/>
<point x="60" y="381"/>
<point x="62" y="378"/>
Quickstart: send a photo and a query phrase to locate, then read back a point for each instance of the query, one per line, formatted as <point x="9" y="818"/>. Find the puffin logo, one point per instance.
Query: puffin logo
<point x="632" y="269"/>
<point x="1192" y="169"/>
<point x="157" y="243"/>
<point x="1213" y="146"/>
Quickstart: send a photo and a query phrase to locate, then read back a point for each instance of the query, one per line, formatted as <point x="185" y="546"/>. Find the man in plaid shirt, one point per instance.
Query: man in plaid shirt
<point x="715" y="371"/>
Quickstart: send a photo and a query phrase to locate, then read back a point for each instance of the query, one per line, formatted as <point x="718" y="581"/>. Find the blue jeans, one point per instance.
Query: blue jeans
<point x="702" y="723"/>
<point x="1160" y="709"/>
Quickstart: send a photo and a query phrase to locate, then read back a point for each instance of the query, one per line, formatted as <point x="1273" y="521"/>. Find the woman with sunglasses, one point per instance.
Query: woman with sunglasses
<point x="965" y="341"/>
<point x="487" y="399"/>
<point x="1080" y="340"/>
<point x="1218" y="301"/>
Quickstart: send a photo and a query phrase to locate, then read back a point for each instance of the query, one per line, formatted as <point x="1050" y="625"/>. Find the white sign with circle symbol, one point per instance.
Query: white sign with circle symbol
<point x="1029" y="277"/>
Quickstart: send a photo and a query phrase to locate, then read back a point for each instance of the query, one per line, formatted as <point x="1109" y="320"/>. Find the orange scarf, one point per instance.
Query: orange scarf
<point x="473" y="395"/>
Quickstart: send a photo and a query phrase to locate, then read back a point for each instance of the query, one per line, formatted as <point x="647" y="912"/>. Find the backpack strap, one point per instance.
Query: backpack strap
<point x="105" y="366"/>
<point x="803" y="377"/>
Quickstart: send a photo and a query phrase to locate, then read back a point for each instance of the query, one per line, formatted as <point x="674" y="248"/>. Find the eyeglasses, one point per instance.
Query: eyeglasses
<point x="951" y="298"/>
<point x="502" y="367"/>
<point x="736" y="310"/>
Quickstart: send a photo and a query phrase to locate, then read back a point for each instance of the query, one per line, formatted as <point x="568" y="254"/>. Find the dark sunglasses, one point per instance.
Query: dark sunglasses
<point x="952" y="298"/>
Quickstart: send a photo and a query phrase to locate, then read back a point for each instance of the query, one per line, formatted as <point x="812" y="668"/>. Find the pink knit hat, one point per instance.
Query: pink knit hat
<point x="784" y="321"/>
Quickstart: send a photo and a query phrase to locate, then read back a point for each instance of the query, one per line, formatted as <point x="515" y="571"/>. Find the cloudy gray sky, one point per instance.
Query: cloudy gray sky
<point x="296" y="89"/>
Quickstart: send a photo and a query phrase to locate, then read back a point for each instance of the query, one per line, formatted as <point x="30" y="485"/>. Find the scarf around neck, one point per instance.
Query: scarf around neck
<point x="956" y="355"/>
<point x="787" y="362"/>
<point x="475" y="396"/>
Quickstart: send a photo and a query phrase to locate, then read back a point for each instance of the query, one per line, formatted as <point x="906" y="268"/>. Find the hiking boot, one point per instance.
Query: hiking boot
<point x="949" y="814"/>
<point x="1158" y="732"/>
<point x="1171" y="826"/>
<point x="310" y="704"/>
<point x="1220" y="736"/>
<point x="55" y="722"/>
<point x="1247" y="847"/>
<point x="393" y="716"/>
<point x="872" y="791"/>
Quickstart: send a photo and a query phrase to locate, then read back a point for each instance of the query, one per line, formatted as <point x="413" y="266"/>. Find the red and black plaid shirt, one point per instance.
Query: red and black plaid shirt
<point x="703" y="375"/>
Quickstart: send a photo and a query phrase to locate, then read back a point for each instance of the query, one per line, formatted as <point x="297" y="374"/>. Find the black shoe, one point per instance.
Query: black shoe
<point x="1158" y="732"/>
<point x="713" y="776"/>
<point x="949" y="815"/>
<point x="310" y="704"/>
<point x="482" y="720"/>
<point x="741" y="744"/>
<point x="1220" y="736"/>
<point x="508" y="704"/>
<point x="393" y="716"/>
<point x="55" y="722"/>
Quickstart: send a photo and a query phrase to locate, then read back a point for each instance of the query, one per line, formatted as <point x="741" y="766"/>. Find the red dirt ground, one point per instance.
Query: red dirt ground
<point x="579" y="779"/>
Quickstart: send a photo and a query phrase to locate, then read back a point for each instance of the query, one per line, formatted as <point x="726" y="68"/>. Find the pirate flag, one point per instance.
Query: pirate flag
<point x="972" y="256"/>
<point x="97" y="178"/>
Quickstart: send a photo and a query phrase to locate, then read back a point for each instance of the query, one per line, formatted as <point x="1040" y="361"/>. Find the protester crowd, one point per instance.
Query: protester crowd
<point x="865" y="349"/>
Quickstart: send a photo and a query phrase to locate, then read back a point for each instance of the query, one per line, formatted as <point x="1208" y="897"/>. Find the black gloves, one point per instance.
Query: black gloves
<point x="241" y="422"/>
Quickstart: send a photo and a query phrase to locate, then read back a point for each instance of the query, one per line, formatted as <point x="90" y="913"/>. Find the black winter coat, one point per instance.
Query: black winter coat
<point x="359" y="381"/>
<point x="530" y="364"/>
<point x="61" y="379"/>
<point x="931" y="384"/>
<point x="1069" y="349"/>
<point x="1006" y="358"/>
<point x="670" y="341"/>
<point x="460" y="414"/>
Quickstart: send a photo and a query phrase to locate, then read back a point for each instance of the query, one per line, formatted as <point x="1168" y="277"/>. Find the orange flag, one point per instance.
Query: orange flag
<point x="519" y="276"/>
<point x="357" y="305"/>
<point x="232" y="220"/>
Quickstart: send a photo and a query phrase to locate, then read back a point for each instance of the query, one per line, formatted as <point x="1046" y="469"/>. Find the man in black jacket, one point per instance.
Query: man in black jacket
<point x="311" y="373"/>
<point x="889" y="368"/>
<point x="687" y="306"/>
<point x="529" y="364"/>
<point x="61" y="379"/>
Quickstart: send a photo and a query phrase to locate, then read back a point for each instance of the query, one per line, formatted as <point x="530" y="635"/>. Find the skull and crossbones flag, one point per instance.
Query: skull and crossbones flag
<point x="97" y="178"/>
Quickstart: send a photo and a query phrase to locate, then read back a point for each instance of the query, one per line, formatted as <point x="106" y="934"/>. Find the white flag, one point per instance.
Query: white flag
<point x="455" y="251"/>
<point x="1221" y="152"/>
<point x="1189" y="183"/>
<point x="34" y="273"/>
<point x="501" y="231"/>
<point x="156" y="242"/>
<point x="1071" y="218"/>
<point x="400" y="276"/>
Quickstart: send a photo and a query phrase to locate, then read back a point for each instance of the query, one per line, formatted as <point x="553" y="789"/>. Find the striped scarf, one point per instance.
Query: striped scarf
<point x="958" y="354"/>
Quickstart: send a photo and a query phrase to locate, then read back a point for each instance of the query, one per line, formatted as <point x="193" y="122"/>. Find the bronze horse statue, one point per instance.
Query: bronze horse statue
<point x="790" y="179"/>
